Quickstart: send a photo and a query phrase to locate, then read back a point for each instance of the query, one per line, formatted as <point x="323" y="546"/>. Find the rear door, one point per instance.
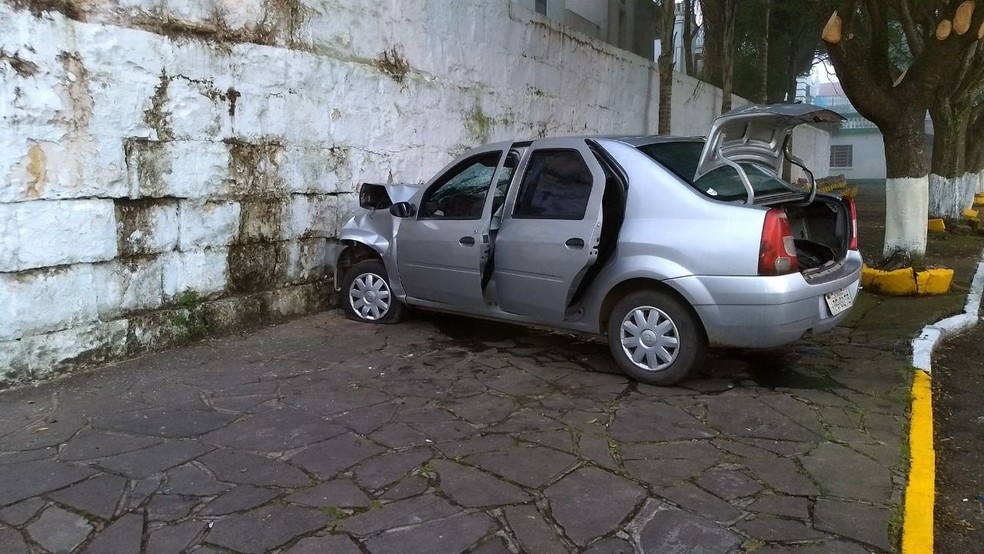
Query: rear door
<point x="550" y="238"/>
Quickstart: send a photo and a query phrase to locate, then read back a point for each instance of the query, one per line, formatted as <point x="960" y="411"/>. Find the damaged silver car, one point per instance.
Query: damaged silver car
<point x="666" y="245"/>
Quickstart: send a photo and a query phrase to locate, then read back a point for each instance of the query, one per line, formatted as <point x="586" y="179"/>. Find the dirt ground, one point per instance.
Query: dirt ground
<point x="958" y="380"/>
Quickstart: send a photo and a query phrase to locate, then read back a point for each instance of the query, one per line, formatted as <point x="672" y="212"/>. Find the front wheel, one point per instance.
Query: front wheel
<point x="367" y="295"/>
<point x="655" y="338"/>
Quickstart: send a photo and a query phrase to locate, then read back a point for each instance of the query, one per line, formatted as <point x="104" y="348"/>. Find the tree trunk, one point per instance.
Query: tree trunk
<point x="688" y="37"/>
<point x="728" y="53"/>
<point x="950" y="190"/>
<point x="665" y="63"/>
<point x="907" y="186"/>
<point x="975" y="149"/>
<point x="763" y="84"/>
<point x="791" y="82"/>
<point x="710" y="71"/>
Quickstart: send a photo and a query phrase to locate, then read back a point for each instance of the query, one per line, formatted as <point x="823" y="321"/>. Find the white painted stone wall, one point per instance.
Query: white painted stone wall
<point x="171" y="164"/>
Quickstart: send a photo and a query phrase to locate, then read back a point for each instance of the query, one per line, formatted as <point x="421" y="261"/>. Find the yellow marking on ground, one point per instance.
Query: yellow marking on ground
<point x="917" y="526"/>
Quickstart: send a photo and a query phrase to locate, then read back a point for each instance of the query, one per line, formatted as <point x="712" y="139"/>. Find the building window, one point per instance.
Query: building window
<point x="841" y="155"/>
<point x="541" y="6"/>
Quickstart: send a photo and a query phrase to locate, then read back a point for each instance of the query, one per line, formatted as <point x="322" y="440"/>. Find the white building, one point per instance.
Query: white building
<point x="627" y="24"/>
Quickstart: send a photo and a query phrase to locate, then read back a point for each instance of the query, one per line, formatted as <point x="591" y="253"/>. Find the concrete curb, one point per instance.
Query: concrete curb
<point x="925" y="343"/>
<point x="920" y="492"/>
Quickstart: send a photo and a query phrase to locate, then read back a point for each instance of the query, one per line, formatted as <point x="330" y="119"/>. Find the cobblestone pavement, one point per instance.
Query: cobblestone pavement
<point x="323" y="435"/>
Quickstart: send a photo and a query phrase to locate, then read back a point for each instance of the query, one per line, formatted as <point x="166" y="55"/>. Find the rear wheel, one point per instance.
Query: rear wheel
<point x="367" y="295"/>
<point x="655" y="338"/>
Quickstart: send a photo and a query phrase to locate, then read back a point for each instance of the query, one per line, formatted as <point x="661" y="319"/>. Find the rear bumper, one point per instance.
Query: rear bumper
<point x="765" y="312"/>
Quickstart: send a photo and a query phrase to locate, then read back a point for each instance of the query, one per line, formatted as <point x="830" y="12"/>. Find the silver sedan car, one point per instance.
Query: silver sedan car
<point x="667" y="246"/>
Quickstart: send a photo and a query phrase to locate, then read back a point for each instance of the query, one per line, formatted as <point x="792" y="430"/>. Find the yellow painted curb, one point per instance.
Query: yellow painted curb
<point x="979" y="200"/>
<point x="899" y="282"/>
<point x="933" y="281"/>
<point x="936" y="226"/>
<point x="970" y="213"/>
<point x="920" y="493"/>
<point x="906" y="281"/>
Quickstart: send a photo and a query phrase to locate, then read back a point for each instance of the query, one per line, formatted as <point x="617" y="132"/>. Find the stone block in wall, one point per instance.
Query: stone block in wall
<point x="263" y="220"/>
<point x="58" y="232"/>
<point x="9" y="238"/>
<point x="146" y="226"/>
<point x="307" y="259"/>
<point x="198" y="110"/>
<point x="45" y="300"/>
<point x="295" y="301"/>
<point x="320" y="215"/>
<point x="227" y="315"/>
<point x="65" y="168"/>
<point x="316" y="169"/>
<point x="182" y="169"/>
<point x="39" y="356"/>
<point x="156" y="330"/>
<point x="205" y="272"/>
<point x="257" y="266"/>
<point x="130" y="285"/>
<point x="254" y="168"/>
<point x="207" y="223"/>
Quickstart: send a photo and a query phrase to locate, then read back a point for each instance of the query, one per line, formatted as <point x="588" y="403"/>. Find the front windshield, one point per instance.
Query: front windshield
<point x="723" y="183"/>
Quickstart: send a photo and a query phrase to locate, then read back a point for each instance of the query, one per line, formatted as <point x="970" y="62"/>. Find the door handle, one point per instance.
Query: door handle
<point x="467" y="241"/>
<point x="574" y="244"/>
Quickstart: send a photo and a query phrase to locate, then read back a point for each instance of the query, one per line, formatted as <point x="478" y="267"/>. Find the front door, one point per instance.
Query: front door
<point x="550" y="239"/>
<point x="440" y="253"/>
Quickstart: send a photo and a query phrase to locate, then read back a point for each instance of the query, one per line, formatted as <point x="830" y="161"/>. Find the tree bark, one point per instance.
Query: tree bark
<point x="907" y="185"/>
<point x="730" y="9"/>
<point x="688" y="37"/>
<point x="950" y="190"/>
<point x="975" y="148"/>
<point x="665" y="63"/>
<point x="763" y="84"/>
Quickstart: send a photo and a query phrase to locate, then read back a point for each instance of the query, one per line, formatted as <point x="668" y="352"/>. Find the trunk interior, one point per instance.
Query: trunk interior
<point x="822" y="233"/>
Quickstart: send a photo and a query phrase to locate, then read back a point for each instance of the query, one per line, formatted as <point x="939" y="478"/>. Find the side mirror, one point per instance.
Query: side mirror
<point x="402" y="209"/>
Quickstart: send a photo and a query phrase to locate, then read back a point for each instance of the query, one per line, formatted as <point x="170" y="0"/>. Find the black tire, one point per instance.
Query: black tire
<point x="367" y="295"/>
<point x="655" y="338"/>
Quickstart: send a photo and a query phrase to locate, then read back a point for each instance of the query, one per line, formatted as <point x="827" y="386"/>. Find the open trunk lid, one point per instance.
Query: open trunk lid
<point x="757" y="134"/>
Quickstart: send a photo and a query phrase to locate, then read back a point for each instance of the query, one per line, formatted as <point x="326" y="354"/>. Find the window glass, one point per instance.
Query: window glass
<point x="723" y="183"/>
<point x="556" y="185"/>
<point x="461" y="192"/>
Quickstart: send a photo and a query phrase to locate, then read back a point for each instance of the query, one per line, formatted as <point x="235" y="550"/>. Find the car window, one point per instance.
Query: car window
<point x="723" y="183"/>
<point x="556" y="185"/>
<point x="460" y="193"/>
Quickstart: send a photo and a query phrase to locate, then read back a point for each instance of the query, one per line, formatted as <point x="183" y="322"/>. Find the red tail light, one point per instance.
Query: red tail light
<point x="777" y="255"/>
<point x="854" y="222"/>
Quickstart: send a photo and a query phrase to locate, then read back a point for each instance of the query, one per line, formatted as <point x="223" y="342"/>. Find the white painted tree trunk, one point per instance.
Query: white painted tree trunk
<point x="949" y="197"/>
<point x="980" y="182"/>
<point x="906" y="207"/>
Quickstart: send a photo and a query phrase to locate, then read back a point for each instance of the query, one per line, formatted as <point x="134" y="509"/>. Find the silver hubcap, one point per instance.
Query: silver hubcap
<point x="649" y="338"/>
<point x="369" y="296"/>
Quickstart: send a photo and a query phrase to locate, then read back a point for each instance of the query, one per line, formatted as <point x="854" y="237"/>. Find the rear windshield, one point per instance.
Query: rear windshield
<point x="721" y="184"/>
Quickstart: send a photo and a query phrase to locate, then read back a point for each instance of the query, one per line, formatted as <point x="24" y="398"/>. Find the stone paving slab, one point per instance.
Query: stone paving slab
<point x="449" y="435"/>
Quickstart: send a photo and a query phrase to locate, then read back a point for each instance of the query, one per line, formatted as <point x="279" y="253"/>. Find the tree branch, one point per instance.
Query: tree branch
<point x="913" y="35"/>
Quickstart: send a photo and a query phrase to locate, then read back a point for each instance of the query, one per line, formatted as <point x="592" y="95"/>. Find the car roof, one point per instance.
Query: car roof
<point x="631" y="140"/>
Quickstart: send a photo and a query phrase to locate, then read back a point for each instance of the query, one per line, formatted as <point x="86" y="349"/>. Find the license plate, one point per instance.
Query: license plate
<point x="838" y="301"/>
